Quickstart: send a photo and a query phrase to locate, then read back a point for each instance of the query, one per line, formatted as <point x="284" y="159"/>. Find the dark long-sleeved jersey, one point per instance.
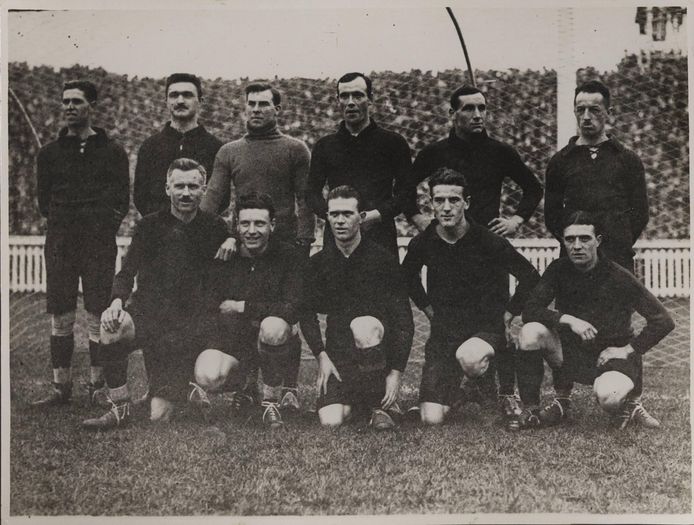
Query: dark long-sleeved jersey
<point x="156" y="155"/>
<point x="376" y="163"/>
<point x="270" y="283"/>
<point x="171" y="260"/>
<point x="606" y="297"/>
<point x="469" y="277"/>
<point x="612" y="185"/>
<point x="368" y="282"/>
<point x="486" y="162"/>
<point x="83" y="180"/>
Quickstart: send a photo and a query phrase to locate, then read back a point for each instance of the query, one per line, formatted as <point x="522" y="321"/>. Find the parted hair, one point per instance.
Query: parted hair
<point x="462" y="91"/>
<point x="185" y="164"/>
<point x="594" y="86"/>
<point x="255" y="200"/>
<point x="348" y="77"/>
<point x="449" y="177"/>
<point x="584" y="218"/>
<point x="345" y="192"/>
<point x="259" y="87"/>
<point x="184" y="77"/>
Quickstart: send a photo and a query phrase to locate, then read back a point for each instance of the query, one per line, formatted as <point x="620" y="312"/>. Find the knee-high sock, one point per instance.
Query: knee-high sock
<point x="291" y="374"/>
<point x="274" y="360"/>
<point x="530" y="370"/>
<point x="62" y="348"/>
<point x="506" y="368"/>
<point x="114" y="358"/>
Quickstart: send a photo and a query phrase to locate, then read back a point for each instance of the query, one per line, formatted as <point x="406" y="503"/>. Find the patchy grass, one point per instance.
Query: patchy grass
<point x="470" y="465"/>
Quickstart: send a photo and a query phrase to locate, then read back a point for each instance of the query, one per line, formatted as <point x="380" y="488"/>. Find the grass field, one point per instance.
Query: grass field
<point x="469" y="465"/>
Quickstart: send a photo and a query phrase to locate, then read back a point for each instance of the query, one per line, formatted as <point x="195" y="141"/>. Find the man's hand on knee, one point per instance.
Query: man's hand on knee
<point x="113" y="316"/>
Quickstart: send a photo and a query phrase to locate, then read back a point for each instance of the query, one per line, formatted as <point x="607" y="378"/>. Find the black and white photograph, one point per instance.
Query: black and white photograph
<point x="319" y="262"/>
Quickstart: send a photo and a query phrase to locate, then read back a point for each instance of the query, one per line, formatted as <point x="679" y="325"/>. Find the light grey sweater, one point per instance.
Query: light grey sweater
<point x="272" y="163"/>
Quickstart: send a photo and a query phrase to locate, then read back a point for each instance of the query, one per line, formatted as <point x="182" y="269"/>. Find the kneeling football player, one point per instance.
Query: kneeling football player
<point x="170" y="254"/>
<point x="256" y="299"/>
<point x="588" y="337"/>
<point x="466" y="300"/>
<point x="369" y="330"/>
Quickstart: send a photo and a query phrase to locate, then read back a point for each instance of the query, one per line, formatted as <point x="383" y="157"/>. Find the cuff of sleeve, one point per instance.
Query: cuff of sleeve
<point x="556" y="316"/>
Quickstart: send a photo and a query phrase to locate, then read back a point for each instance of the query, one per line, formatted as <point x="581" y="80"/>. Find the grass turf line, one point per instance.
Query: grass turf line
<point x="468" y="465"/>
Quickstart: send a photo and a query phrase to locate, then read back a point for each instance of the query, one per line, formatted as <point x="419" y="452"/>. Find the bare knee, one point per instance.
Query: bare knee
<point x="367" y="331"/>
<point x="433" y="413"/>
<point x="611" y="390"/>
<point x="473" y="356"/>
<point x="532" y="336"/>
<point x="334" y="415"/>
<point x="274" y="331"/>
<point x="212" y="368"/>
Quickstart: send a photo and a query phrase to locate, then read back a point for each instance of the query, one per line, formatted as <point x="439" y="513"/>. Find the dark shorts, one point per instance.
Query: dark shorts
<point x="441" y="374"/>
<point x="71" y="253"/>
<point x="170" y="351"/>
<point x="358" y="387"/>
<point x="580" y="364"/>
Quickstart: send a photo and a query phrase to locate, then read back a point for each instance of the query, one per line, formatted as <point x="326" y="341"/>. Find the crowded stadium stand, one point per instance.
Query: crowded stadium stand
<point x="650" y="103"/>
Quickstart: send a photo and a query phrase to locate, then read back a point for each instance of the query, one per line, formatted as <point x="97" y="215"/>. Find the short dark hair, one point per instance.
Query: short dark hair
<point x="85" y="86"/>
<point x="259" y="87"/>
<point x="345" y="192"/>
<point x="255" y="200"/>
<point x="185" y="164"/>
<point x="348" y="77"/>
<point x="449" y="177"/>
<point x="184" y="77"/>
<point x="462" y="91"/>
<point x="594" y="86"/>
<point x="584" y="218"/>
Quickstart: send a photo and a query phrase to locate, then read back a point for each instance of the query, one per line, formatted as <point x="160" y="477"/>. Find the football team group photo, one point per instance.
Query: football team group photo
<point x="347" y="290"/>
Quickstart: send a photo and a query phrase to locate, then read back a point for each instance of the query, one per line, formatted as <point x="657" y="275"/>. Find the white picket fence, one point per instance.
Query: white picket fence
<point x="663" y="265"/>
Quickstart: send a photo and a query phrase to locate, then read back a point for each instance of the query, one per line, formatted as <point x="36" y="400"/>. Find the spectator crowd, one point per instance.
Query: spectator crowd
<point x="650" y="103"/>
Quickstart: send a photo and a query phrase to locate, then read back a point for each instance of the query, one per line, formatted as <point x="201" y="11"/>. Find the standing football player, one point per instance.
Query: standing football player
<point x="83" y="191"/>
<point x="361" y="154"/>
<point x="598" y="174"/>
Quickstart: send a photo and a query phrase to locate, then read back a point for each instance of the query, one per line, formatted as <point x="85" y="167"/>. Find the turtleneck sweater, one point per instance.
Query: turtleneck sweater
<point x="266" y="161"/>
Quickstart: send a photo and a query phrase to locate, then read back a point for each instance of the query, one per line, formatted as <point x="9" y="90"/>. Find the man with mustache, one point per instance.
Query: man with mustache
<point x="268" y="161"/>
<point x="182" y="137"/>
<point x="83" y="191"/>
<point x="587" y="337"/>
<point x="372" y="160"/>
<point x="466" y="298"/>
<point x="254" y="313"/>
<point x="170" y="254"/>
<point x="597" y="173"/>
